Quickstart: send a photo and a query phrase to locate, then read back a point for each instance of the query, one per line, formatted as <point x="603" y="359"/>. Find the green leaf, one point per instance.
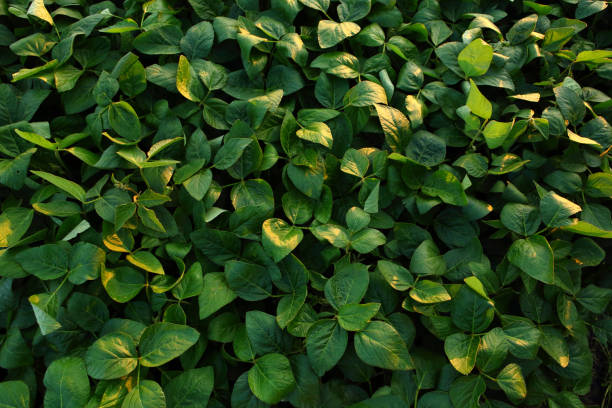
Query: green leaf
<point x="353" y="10"/>
<point x="14" y="223"/>
<point x="466" y="391"/>
<point x="492" y="351"/>
<point x="588" y="8"/>
<point x="495" y="133"/>
<point x="230" y="152"/>
<point x="444" y="184"/>
<point x="45" y="308"/>
<point x="594" y="298"/>
<point x="111" y="356"/>
<point x="556" y="37"/>
<point x="522" y="336"/>
<point x="426" y="149"/>
<point x="555" y="210"/>
<point x="510" y="380"/>
<point x="46" y="262"/>
<point x="520" y="218"/>
<point x="13" y="172"/>
<point x="410" y="77"/>
<point x="146" y="261"/>
<point x="36" y="139"/>
<point x="331" y="33"/>
<point x="354" y="317"/>
<point x="249" y="281"/>
<point x="163" y="39"/>
<point x="124" y="120"/>
<point x="198" y="40"/>
<point x="14" y="394"/>
<point x="348" y="285"/>
<point x="522" y="29"/>
<point x="316" y="132"/>
<point x="426" y="291"/>
<point x="534" y="256"/>
<point x="599" y="185"/>
<point x="190" y="389"/>
<point x="461" y="351"/>
<point x="321" y="5"/>
<point x="478" y="104"/>
<point x="212" y="75"/>
<point x="88" y="312"/>
<point x="66" y="383"/>
<point x="554" y="344"/>
<point x="68" y="186"/>
<point x="365" y="241"/>
<point x="145" y="394"/>
<point x="334" y="234"/>
<point x="123" y="283"/>
<point x="341" y="64"/>
<point x="163" y="342"/>
<point x="187" y="81"/>
<point x="570" y="103"/>
<point x="593" y="56"/>
<point x="365" y="93"/>
<point x="588" y="229"/>
<point x="264" y="334"/>
<point x="307" y="180"/>
<point x="380" y="345"/>
<point x="271" y="378"/>
<point x="355" y="163"/>
<point x="426" y="260"/>
<point x="279" y="238"/>
<point x="326" y="343"/>
<point x="37" y="9"/>
<point x="396" y="275"/>
<point x="476" y="58"/>
<point x="198" y="185"/>
<point x="191" y="284"/>
<point x="395" y="126"/>
<point x="470" y="311"/>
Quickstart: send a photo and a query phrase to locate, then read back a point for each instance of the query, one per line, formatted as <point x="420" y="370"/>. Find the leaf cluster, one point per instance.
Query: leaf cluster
<point x="306" y="203"/>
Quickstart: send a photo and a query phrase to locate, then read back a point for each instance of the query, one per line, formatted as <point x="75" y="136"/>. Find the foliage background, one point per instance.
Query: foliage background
<point x="306" y="203"/>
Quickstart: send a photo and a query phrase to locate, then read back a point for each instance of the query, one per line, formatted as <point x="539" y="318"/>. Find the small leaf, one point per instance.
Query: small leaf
<point x="478" y="104"/>
<point x="68" y="186"/>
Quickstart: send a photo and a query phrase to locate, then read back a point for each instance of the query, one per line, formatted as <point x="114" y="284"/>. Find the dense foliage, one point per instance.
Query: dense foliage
<point x="313" y="203"/>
